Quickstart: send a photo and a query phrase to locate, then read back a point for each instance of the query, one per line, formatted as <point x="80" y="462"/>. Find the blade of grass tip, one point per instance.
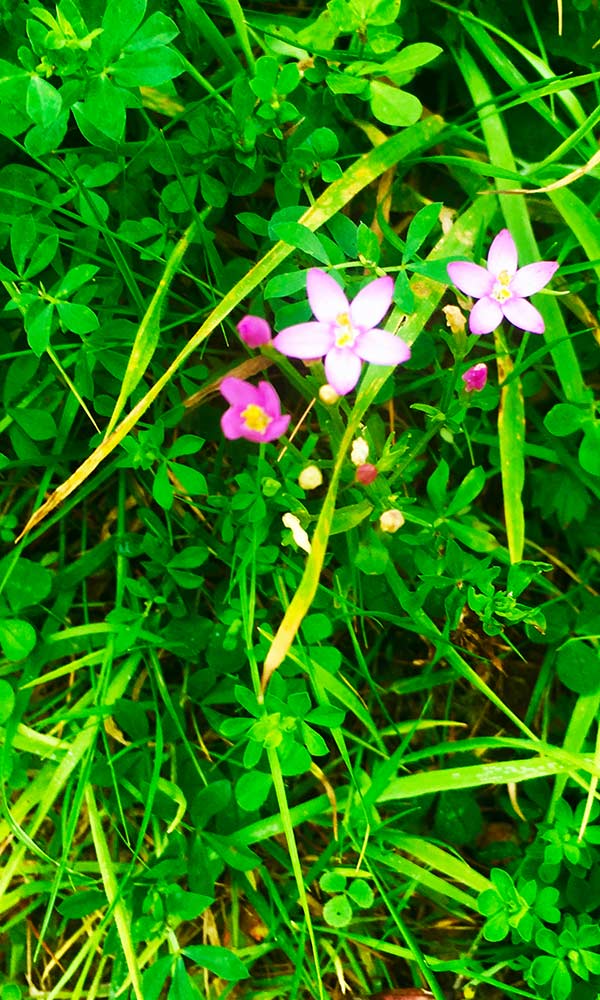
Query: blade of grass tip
<point x="111" y="888"/>
<point x="333" y="199"/>
<point x="481" y="32"/>
<point x="428" y="294"/>
<point x="511" y="437"/>
<point x="146" y="338"/>
<point x="238" y="20"/>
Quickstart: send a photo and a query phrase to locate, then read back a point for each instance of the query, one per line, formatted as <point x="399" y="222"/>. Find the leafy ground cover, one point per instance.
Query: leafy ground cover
<point x="299" y="608"/>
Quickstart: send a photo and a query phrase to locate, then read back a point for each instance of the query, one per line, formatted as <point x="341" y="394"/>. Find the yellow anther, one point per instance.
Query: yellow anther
<point x="255" y="418"/>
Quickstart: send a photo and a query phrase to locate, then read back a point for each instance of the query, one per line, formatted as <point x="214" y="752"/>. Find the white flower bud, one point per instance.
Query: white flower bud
<point x="328" y="395"/>
<point x="310" y="477"/>
<point x="360" y="452"/>
<point x="391" y="520"/>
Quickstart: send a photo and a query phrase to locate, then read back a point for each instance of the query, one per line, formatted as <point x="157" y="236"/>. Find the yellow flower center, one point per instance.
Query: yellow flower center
<point x="255" y="418"/>
<point x="345" y="334"/>
<point x="502" y="290"/>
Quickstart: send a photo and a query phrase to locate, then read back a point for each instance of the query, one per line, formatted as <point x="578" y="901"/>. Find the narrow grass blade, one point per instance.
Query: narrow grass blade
<point x="238" y="20"/>
<point x="511" y="435"/>
<point x="113" y="895"/>
<point x="146" y="339"/>
<point x="338" y="194"/>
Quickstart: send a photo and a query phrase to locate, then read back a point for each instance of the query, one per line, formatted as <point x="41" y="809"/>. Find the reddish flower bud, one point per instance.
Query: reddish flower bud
<point x="366" y="474"/>
<point x="254" y="331"/>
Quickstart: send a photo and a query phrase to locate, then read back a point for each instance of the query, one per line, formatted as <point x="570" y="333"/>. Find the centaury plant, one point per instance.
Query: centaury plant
<point x="299" y="588"/>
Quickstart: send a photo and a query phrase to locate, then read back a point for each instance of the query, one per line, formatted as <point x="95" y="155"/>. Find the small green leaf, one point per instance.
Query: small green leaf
<point x="192" y="481"/>
<point x="149" y="68"/>
<point x="17" y="638"/>
<point x="589" y="450"/>
<point x="38" y="424"/>
<point x="300" y="237"/>
<point x="44" y="103"/>
<point x="220" y="961"/>
<point x="392" y="106"/>
<point x="332" y="882"/>
<point x="252" y="790"/>
<point x="578" y="667"/>
<point x="121" y="18"/>
<point x="361" y="893"/>
<point x="564" y="419"/>
<point x="337" y="911"/>
<point x="77" y="318"/>
<point x="7" y="701"/>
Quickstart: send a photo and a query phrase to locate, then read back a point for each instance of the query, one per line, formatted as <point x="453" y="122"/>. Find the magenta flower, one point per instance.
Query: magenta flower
<point x="254" y="331"/>
<point x="475" y="378"/>
<point x="344" y="333"/>
<point x="501" y="287"/>
<point x="254" y="413"/>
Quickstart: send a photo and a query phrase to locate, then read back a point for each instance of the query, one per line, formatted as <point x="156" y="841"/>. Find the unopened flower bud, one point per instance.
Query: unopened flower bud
<point x="366" y="474"/>
<point x="254" y="331"/>
<point x="391" y="520"/>
<point x="360" y="451"/>
<point x="475" y="378"/>
<point x="328" y="395"/>
<point x="310" y="477"/>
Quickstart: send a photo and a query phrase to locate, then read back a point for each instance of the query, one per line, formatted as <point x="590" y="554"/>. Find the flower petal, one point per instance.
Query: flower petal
<point x="277" y="428"/>
<point x="532" y="277"/>
<point x="471" y="278"/>
<point x="521" y="313"/>
<point x="503" y="254"/>
<point x="232" y="425"/>
<point x="237" y="392"/>
<point x="269" y="400"/>
<point x="381" y="348"/>
<point x="305" y="340"/>
<point x="371" y="304"/>
<point x="342" y="368"/>
<point x="326" y="298"/>
<point x="485" y="316"/>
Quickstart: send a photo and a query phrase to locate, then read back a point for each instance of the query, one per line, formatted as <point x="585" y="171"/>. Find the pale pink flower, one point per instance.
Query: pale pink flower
<point x="254" y="412"/>
<point x="475" y="378"/>
<point x="501" y="286"/>
<point x="344" y="333"/>
<point x="254" y="331"/>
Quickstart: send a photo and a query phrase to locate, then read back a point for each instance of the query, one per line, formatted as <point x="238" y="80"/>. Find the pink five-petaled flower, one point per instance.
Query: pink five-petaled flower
<point x="475" y="378"/>
<point x="344" y="333"/>
<point x="254" y="331"/>
<point x="254" y="412"/>
<point x="501" y="287"/>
